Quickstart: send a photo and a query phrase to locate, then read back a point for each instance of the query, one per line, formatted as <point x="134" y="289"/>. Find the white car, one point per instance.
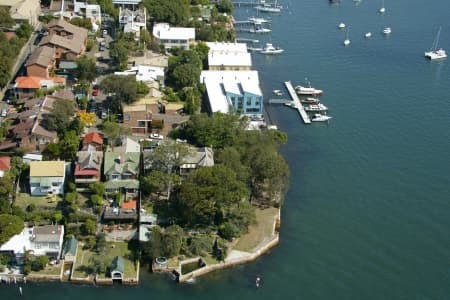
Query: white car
<point x="156" y="136"/>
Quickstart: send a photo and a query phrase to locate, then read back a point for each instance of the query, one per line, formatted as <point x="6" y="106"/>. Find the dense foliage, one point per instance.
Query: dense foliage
<point x="9" y="226"/>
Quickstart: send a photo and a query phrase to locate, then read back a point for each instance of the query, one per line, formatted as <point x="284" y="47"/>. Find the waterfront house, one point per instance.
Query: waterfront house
<point x="117" y="268"/>
<point x="5" y="165"/>
<point x="121" y="171"/>
<point x="47" y="177"/>
<point x="38" y="240"/>
<point x="233" y="91"/>
<point x="41" y="62"/>
<point x="92" y="142"/>
<point x="173" y="36"/>
<point x="200" y="157"/>
<point x="228" y="56"/>
<point x="70" y="248"/>
<point x="88" y="167"/>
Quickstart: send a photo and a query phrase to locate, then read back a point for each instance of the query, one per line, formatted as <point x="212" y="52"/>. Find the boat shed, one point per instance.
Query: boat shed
<point x="117" y="268"/>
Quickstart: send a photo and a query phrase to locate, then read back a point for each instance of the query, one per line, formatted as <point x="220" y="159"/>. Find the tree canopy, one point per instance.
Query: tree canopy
<point x="175" y="12"/>
<point x="9" y="226"/>
<point x="85" y="68"/>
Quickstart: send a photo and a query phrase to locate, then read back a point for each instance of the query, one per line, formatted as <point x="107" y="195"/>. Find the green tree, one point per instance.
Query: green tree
<point x="97" y="266"/>
<point x="157" y="182"/>
<point x="173" y="240"/>
<point x="125" y="88"/>
<point x="154" y="247"/>
<point x="85" y="68"/>
<point x="52" y="151"/>
<point x="225" y="6"/>
<point x="89" y="227"/>
<point x="69" y="143"/>
<point x="175" y="12"/>
<point x="9" y="226"/>
<point x="97" y="188"/>
<point x="5" y="18"/>
<point x="113" y="131"/>
<point x="81" y="22"/>
<point x="119" y="54"/>
<point x="209" y="194"/>
<point x="60" y="116"/>
<point x="100" y="243"/>
<point x="24" y="31"/>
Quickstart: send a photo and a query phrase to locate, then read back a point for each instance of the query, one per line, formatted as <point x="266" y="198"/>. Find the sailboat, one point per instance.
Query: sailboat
<point x="382" y="9"/>
<point x="347" y="40"/>
<point x="258" y="19"/>
<point x="434" y="52"/>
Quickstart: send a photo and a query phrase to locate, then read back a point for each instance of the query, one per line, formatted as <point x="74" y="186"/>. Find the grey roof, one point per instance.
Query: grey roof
<point x="124" y="183"/>
<point x="42" y="56"/>
<point x="203" y="157"/>
<point x="67" y="27"/>
<point x="68" y="65"/>
<point x="112" y="213"/>
<point x="48" y="233"/>
<point x="90" y="160"/>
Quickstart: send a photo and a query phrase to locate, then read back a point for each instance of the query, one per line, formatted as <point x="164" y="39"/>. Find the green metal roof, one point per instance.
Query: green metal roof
<point x="117" y="163"/>
<point x="70" y="246"/>
<point x="126" y="183"/>
<point x="117" y="264"/>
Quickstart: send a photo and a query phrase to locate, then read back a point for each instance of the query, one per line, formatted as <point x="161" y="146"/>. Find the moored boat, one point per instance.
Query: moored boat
<point x="434" y="52"/>
<point x="368" y="35"/>
<point x="301" y="90"/>
<point x="387" y="30"/>
<point x="316" y="107"/>
<point x="278" y="92"/>
<point x="310" y="100"/>
<point x="270" y="49"/>
<point x="320" y="118"/>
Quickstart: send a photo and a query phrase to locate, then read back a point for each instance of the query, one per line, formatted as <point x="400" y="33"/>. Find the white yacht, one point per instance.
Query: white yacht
<point x="258" y="20"/>
<point x="301" y="90"/>
<point x="387" y="30"/>
<point x="270" y="49"/>
<point x="341" y="25"/>
<point x="368" y="35"/>
<point x="260" y="29"/>
<point x="382" y="9"/>
<point x="291" y="104"/>
<point x="278" y="92"/>
<point x="316" y="107"/>
<point x="310" y="100"/>
<point x="320" y="118"/>
<point x="434" y="52"/>
<point x="347" y="40"/>
<point x="267" y="7"/>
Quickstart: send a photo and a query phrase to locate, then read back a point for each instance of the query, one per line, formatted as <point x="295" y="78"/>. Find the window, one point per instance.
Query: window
<point x="115" y="176"/>
<point x="126" y="117"/>
<point x="55" y="183"/>
<point x="141" y="123"/>
<point x="249" y="101"/>
<point x="240" y="102"/>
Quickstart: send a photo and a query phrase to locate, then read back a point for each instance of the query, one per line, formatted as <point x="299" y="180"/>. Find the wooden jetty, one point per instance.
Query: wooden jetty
<point x="298" y="104"/>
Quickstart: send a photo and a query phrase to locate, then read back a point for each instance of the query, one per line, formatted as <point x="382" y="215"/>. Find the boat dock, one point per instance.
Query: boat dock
<point x="298" y="104"/>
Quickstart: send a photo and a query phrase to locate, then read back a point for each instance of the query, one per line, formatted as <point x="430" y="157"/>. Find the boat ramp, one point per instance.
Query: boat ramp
<point x="297" y="104"/>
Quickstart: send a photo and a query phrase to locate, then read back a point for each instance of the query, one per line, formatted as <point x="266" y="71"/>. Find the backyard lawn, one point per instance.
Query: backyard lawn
<point x="112" y="250"/>
<point x="260" y="232"/>
<point x="49" y="270"/>
<point x="24" y="199"/>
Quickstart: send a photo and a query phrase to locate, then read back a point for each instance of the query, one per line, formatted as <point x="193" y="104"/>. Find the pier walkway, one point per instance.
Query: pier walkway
<point x="298" y="104"/>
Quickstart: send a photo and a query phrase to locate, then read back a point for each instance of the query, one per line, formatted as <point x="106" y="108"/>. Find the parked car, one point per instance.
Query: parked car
<point x="95" y="92"/>
<point x="104" y="32"/>
<point x="156" y="136"/>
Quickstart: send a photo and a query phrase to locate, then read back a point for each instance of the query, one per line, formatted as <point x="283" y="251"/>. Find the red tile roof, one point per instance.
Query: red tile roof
<point x="129" y="205"/>
<point x="5" y="163"/>
<point x="94" y="137"/>
<point x="90" y="172"/>
<point x="32" y="82"/>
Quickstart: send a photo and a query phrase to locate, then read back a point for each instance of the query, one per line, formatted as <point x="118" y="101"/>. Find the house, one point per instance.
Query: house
<point x="92" y="142"/>
<point x="173" y="36"/>
<point x="119" y="214"/>
<point x="41" y="62"/>
<point x="69" y="41"/>
<point x="88" y="167"/>
<point x="117" y="268"/>
<point x="47" y="177"/>
<point x="38" y="240"/>
<point x="202" y="157"/>
<point x="228" y="56"/>
<point x="88" y="11"/>
<point x="233" y="91"/>
<point x="126" y="3"/>
<point x="30" y="135"/>
<point x="25" y="86"/>
<point x="23" y="10"/>
<point x="137" y="117"/>
<point x="70" y="248"/>
<point x="5" y="165"/>
<point x="144" y="73"/>
<point x="121" y="171"/>
<point x="132" y="20"/>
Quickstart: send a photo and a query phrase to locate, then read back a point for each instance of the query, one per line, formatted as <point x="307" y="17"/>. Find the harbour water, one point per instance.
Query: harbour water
<point x="367" y="215"/>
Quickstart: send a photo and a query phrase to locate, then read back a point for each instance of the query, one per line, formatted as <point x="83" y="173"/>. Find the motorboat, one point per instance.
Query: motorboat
<point x="341" y="25"/>
<point x="382" y="9"/>
<point x="347" y="40"/>
<point x="258" y="20"/>
<point x="258" y="281"/>
<point x="387" y="30"/>
<point x="310" y="100"/>
<point x="291" y="104"/>
<point x="278" y="92"/>
<point x="270" y="49"/>
<point x="301" y="90"/>
<point x="434" y="52"/>
<point x="260" y="29"/>
<point x="368" y="35"/>
<point x="320" y="118"/>
<point x="316" y="107"/>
